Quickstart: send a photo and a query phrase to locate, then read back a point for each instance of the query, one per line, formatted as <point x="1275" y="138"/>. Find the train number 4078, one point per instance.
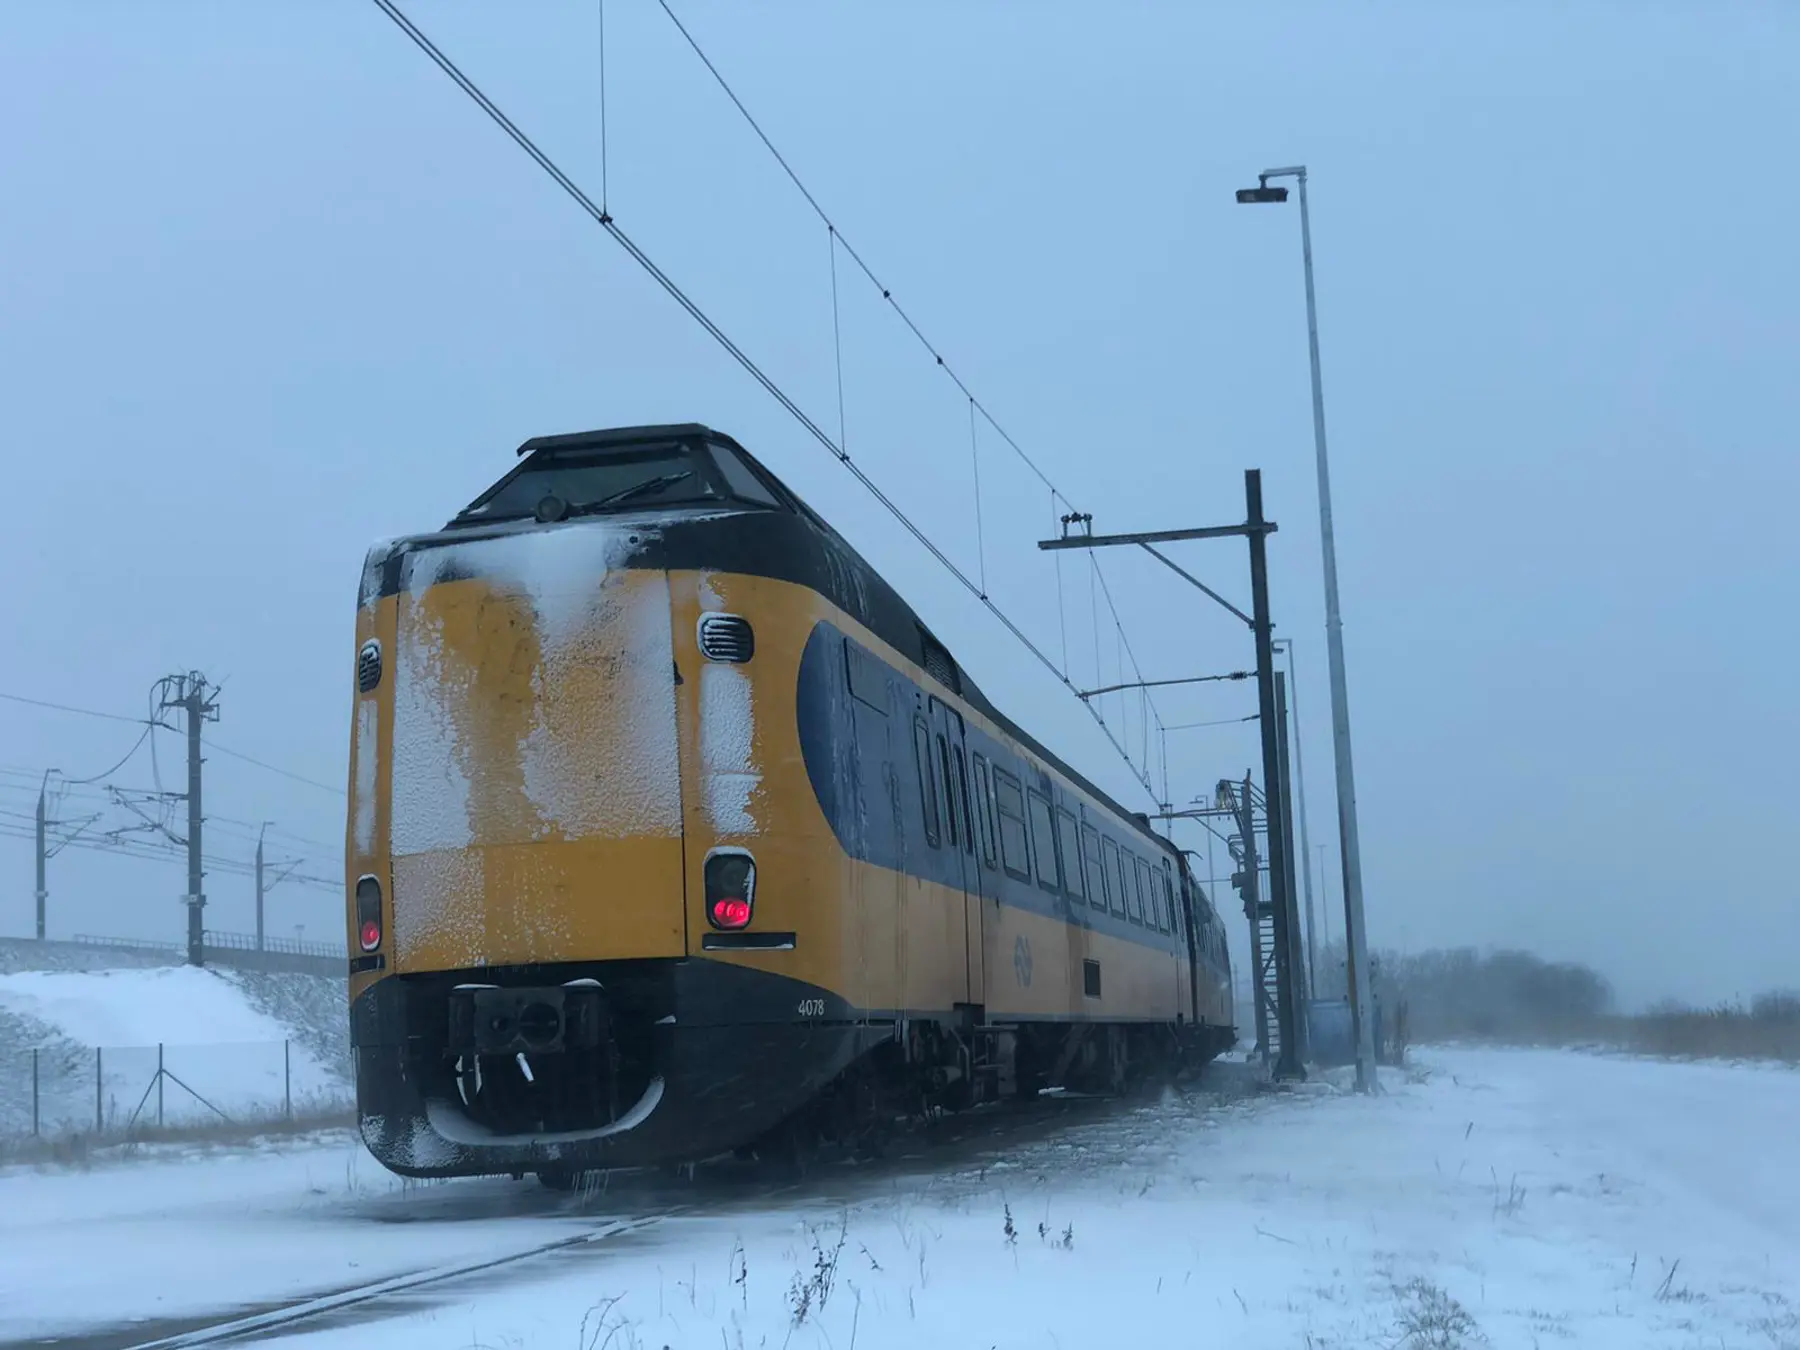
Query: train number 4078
<point x="812" y="1007"/>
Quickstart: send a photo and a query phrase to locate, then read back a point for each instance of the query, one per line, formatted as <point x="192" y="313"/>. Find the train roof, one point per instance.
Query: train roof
<point x="596" y="440"/>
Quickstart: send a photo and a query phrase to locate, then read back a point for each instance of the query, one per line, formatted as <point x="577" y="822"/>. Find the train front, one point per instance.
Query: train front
<point x="557" y="772"/>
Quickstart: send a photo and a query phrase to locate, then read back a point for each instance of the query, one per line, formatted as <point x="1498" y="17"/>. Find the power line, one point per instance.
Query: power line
<point x="1216" y="722"/>
<point x="975" y="404"/>
<point x="149" y="852"/>
<point x="135" y="745"/>
<point x="886" y="294"/>
<point x="250" y="828"/>
<point x="273" y="768"/>
<point x="602" y="217"/>
<point x="30" y="778"/>
<point x="150" y="724"/>
<point x="241" y="830"/>
<point x="69" y="708"/>
<point x="838" y="239"/>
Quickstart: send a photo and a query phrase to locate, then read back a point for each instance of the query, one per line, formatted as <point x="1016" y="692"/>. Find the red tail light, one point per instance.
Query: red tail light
<point x="368" y="913"/>
<point x="730" y="911"/>
<point x="730" y="889"/>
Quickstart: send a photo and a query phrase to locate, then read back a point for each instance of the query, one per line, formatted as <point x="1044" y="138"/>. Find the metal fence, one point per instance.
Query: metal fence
<point x="240" y="950"/>
<point x="67" y="1089"/>
<point x="249" y="942"/>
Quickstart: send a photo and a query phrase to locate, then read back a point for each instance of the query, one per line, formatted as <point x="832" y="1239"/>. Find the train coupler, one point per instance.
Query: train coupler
<point x="495" y="1020"/>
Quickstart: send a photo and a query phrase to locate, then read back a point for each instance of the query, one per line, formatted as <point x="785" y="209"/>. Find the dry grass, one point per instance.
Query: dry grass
<point x="1768" y="1030"/>
<point x="1429" y="1319"/>
<point x="82" y="1150"/>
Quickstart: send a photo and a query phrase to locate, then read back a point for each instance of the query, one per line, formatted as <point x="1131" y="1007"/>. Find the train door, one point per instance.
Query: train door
<point x="1182" y="932"/>
<point x="1191" y="940"/>
<point x="950" y="759"/>
<point x="878" y="894"/>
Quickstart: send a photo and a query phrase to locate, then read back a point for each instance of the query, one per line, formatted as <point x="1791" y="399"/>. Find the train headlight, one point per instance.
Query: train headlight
<point x="368" y="913"/>
<point x="730" y="888"/>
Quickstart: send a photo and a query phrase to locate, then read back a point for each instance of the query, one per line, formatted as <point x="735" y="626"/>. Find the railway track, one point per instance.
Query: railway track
<point x="357" y="1302"/>
<point x="957" y="1144"/>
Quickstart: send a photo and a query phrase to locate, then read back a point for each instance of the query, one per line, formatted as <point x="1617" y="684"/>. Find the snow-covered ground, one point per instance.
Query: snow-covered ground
<point x="1516" y="1198"/>
<point x="244" y="1042"/>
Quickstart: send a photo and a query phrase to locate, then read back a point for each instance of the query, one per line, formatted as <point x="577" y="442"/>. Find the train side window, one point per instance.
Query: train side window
<point x="1096" y="866"/>
<point x="1015" y="854"/>
<point x="962" y="795"/>
<point x="1068" y="835"/>
<point x="984" y="810"/>
<point x="1143" y="904"/>
<point x="1043" y="841"/>
<point x="950" y="812"/>
<point x="868" y="677"/>
<point x="1115" y="872"/>
<point x="927" y="780"/>
<point x="1168" y="894"/>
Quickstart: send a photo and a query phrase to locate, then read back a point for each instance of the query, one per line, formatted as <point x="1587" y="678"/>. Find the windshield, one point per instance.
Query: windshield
<point x="587" y="480"/>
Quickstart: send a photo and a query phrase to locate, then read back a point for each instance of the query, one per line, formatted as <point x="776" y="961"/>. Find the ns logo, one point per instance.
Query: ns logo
<point x="1022" y="960"/>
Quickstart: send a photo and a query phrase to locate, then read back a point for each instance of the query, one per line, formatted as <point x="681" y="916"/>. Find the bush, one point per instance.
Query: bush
<point x="1517" y="998"/>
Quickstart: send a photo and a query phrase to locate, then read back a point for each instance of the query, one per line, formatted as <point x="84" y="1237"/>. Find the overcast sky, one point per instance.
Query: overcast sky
<point x="271" y="288"/>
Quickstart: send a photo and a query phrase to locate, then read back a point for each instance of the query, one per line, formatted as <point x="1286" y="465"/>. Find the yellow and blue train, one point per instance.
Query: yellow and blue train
<point x="673" y="830"/>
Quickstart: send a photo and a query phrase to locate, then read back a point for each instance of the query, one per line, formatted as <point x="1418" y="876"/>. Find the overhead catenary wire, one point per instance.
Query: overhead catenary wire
<point x="271" y="768"/>
<point x="975" y="404"/>
<point x="1213" y="722"/>
<point x="1126" y="652"/>
<point x="1062" y="609"/>
<point x="153" y="724"/>
<point x="249" y="829"/>
<point x="1094" y="615"/>
<point x="70" y="708"/>
<point x="700" y="316"/>
<point x="837" y="342"/>
<point x="602" y="4"/>
<point x="887" y="295"/>
<point x="228" y="827"/>
<point x="975" y="469"/>
<point x="150" y="852"/>
<point x="603" y="218"/>
<point x="123" y="760"/>
<point x="930" y="347"/>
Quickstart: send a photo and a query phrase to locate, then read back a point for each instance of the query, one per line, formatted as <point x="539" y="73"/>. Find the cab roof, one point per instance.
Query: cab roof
<point x="600" y="439"/>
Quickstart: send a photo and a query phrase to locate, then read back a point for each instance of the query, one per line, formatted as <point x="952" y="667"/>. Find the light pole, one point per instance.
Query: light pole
<point x="1361" y="1009"/>
<point x="1312" y="958"/>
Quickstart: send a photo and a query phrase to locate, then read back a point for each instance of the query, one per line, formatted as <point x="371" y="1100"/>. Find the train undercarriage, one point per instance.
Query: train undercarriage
<point x="563" y="1070"/>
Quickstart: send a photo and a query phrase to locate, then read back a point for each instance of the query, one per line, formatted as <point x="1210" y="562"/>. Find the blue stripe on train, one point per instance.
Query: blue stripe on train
<point x="863" y="770"/>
